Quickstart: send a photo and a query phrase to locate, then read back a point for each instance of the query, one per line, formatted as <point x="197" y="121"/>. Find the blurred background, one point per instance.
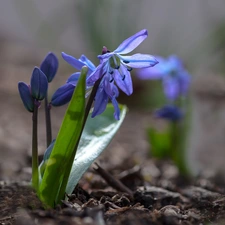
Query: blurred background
<point x="193" y="30"/>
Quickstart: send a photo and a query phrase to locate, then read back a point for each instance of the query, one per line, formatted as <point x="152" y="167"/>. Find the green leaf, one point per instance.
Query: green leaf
<point x="61" y="159"/>
<point x="43" y="164"/>
<point x="160" y="143"/>
<point x="96" y="136"/>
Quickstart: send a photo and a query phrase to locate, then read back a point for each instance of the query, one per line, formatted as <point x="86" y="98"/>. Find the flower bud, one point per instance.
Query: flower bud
<point x="39" y="84"/>
<point x="49" y="66"/>
<point x="169" y="112"/>
<point x="63" y="95"/>
<point x="73" y="79"/>
<point x="26" y="97"/>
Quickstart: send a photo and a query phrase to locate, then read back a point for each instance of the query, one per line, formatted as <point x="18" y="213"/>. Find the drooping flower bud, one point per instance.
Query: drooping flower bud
<point x="49" y="66"/>
<point x="63" y="95"/>
<point x="169" y="112"/>
<point x="26" y="97"/>
<point x="39" y="84"/>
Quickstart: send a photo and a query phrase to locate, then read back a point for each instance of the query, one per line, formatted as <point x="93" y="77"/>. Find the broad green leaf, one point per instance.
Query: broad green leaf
<point x="96" y="136"/>
<point x="61" y="159"/>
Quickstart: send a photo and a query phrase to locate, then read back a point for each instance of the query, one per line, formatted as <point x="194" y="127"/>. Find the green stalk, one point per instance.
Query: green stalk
<point x="35" y="175"/>
<point x="48" y="122"/>
<point x="91" y="99"/>
<point x="177" y="147"/>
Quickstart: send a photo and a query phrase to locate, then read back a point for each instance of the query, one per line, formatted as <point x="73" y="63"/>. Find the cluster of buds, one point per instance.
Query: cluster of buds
<point x="31" y="94"/>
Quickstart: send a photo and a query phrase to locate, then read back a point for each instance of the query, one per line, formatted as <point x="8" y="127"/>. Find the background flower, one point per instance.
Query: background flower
<point x="175" y="78"/>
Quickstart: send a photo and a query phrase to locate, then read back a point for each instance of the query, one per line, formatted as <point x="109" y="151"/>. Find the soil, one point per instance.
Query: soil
<point x="145" y="198"/>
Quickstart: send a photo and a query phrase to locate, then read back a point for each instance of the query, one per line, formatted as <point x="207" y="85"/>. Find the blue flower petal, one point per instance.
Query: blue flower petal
<point x="116" y="108"/>
<point x="95" y="75"/>
<point x="62" y="95"/>
<point x="171" y="87"/>
<point x="26" y="97"/>
<point x="77" y="64"/>
<point x="108" y="86"/>
<point x="87" y="62"/>
<point x="101" y="100"/>
<point x="139" y="60"/>
<point x="123" y="80"/>
<point x="73" y="79"/>
<point x="184" y="81"/>
<point x="132" y="42"/>
<point x="39" y="84"/>
<point x="150" y="73"/>
<point x="175" y="61"/>
<point x="112" y="92"/>
<point x="115" y="91"/>
<point x="49" y="66"/>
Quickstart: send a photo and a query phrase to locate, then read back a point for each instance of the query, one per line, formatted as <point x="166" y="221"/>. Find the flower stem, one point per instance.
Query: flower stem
<point x="91" y="99"/>
<point x="35" y="176"/>
<point x="48" y="122"/>
<point x="178" y="150"/>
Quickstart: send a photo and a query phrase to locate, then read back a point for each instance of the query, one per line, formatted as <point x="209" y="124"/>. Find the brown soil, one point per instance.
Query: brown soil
<point x="164" y="199"/>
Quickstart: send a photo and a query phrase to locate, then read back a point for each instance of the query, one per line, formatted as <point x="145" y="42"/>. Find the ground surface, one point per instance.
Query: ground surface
<point x="155" y="192"/>
<point x="152" y="198"/>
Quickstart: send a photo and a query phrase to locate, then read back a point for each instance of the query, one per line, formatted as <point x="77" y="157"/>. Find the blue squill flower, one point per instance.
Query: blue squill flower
<point x="175" y="78"/>
<point x="25" y="95"/>
<point x="49" y="66"/>
<point x="117" y="66"/>
<point x="169" y="112"/>
<point x="104" y="93"/>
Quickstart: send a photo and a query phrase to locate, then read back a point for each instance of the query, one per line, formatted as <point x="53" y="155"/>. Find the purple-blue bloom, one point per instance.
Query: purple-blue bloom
<point x="117" y="67"/>
<point x="114" y="68"/>
<point x="104" y="92"/>
<point x="49" y="66"/>
<point x="169" y="112"/>
<point x="175" y="78"/>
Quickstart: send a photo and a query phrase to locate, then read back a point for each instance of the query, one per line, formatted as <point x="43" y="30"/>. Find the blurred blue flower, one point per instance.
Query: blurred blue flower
<point x="25" y="95"/>
<point x="38" y="84"/>
<point x="175" y="78"/>
<point x="106" y="91"/>
<point x="169" y="112"/>
<point x="49" y="66"/>
<point x="117" y="67"/>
